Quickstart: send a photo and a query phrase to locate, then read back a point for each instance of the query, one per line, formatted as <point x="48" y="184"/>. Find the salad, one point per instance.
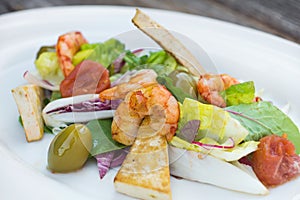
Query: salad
<point x="99" y="99"/>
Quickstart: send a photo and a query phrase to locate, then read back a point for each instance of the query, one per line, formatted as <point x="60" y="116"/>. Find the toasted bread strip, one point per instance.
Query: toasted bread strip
<point x="168" y="42"/>
<point x="29" y="101"/>
<point x="145" y="172"/>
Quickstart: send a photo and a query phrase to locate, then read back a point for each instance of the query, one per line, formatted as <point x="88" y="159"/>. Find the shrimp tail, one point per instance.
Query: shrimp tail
<point x="66" y="47"/>
<point x="108" y="94"/>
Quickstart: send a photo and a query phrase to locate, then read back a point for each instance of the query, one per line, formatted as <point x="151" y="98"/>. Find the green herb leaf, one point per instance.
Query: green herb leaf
<point x="239" y="94"/>
<point x="161" y="62"/>
<point x="20" y="120"/>
<point x="103" y="53"/>
<point x="47" y="129"/>
<point x="55" y="95"/>
<point x="101" y="136"/>
<point x="262" y="119"/>
<point x="132" y="61"/>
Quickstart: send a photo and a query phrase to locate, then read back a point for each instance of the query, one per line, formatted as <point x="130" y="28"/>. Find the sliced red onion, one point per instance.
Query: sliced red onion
<point x="137" y="51"/>
<point x="215" y="145"/>
<point x="189" y="131"/>
<point x="37" y="81"/>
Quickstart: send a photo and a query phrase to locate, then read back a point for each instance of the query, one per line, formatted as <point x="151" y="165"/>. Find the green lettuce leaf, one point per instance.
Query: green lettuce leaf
<point x="161" y="62"/>
<point x="55" y="95"/>
<point x="133" y="61"/>
<point x="101" y="136"/>
<point x="81" y="55"/>
<point x="217" y="127"/>
<point x="228" y="155"/>
<point x="103" y="53"/>
<point x="216" y="123"/>
<point x="114" y="77"/>
<point x="48" y="67"/>
<point x="239" y="94"/>
<point x="262" y="119"/>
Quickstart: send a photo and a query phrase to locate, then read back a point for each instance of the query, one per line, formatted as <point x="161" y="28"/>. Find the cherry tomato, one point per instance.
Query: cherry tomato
<point x="88" y="77"/>
<point x="275" y="162"/>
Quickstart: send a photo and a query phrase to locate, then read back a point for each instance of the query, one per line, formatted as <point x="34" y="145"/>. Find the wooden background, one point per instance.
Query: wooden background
<point x="279" y="17"/>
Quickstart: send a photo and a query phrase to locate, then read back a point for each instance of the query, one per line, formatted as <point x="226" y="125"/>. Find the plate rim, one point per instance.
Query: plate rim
<point x="282" y="41"/>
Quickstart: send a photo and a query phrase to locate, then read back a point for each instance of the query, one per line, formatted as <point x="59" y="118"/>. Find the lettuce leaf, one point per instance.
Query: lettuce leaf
<point x="48" y="67"/>
<point x="103" y="53"/>
<point x="216" y="123"/>
<point x="228" y="155"/>
<point x="81" y="56"/>
<point x="102" y="138"/>
<point x="262" y="119"/>
<point x="217" y="127"/>
<point x="132" y="61"/>
<point x="161" y="62"/>
<point x="239" y="94"/>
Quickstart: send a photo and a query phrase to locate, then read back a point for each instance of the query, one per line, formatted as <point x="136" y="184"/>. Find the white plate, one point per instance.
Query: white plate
<point x="273" y="63"/>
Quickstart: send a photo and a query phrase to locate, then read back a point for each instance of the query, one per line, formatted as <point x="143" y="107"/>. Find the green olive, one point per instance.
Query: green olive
<point x="69" y="150"/>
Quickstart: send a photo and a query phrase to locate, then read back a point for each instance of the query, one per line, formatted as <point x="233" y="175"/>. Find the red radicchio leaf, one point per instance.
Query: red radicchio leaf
<point x="111" y="159"/>
<point x="189" y="131"/>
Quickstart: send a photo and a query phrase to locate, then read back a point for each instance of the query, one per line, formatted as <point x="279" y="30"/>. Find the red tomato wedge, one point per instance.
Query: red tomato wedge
<point x="88" y="77"/>
<point x="275" y="162"/>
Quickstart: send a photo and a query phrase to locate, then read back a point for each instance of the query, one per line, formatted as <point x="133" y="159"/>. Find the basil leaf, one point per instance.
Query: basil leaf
<point x="239" y="94"/>
<point x="102" y="138"/>
<point x="262" y="119"/>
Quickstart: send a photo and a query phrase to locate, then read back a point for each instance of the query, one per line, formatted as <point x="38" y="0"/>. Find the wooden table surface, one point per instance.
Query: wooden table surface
<point x="278" y="17"/>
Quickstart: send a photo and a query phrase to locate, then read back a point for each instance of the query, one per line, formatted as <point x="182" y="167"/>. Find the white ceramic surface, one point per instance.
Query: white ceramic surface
<point x="273" y="63"/>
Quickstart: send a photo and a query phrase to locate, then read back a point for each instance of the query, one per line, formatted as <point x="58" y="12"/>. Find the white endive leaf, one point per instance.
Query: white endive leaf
<point x="57" y="119"/>
<point x="203" y="168"/>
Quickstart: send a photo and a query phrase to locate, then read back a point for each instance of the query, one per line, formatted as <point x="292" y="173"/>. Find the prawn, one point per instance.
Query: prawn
<point x="139" y="79"/>
<point x="67" y="45"/>
<point x="209" y="86"/>
<point x="152" y="104"/>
